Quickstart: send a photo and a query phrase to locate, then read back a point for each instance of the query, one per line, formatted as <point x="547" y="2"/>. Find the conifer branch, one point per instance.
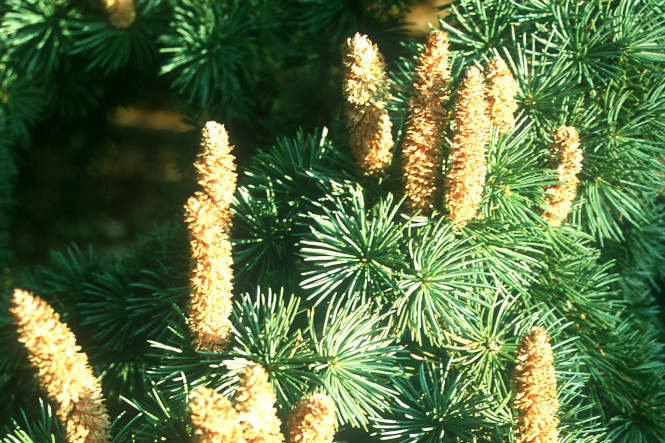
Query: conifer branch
<point x="406" y="325"/>
<point x="265" y="331"/>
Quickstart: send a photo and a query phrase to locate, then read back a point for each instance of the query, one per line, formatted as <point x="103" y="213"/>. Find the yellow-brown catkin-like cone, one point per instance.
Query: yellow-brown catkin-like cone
<point x="421" y="157"/>
<point x="213" y="417"/>
<point x="208" y="217"/>
<point x="366" y="90"/>
<point x="121" y="12"/>
<point x="566" y="157"/>
<point x="501" y="91"/>
<point x="62" y="368"/>
<point x="254" y="401"/>
<point x="312" y="421"/>
<point x="534" y="387"/>
<point x="467" y="166"/>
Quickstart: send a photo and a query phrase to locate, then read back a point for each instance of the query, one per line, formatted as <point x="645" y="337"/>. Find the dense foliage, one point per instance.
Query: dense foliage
<point x="408" y="321"/>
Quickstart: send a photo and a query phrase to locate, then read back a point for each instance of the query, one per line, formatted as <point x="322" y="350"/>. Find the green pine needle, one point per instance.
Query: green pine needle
<point x="436" y="404"/>
<point x="353" y="250"/>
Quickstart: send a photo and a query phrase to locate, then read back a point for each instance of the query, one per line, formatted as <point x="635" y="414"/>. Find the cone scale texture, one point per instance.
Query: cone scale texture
<point x="312" y="421"/>
<point x="122" y="13"/>
<point x="208" y="216"/>
<point x="366" y="90"/>
<point x="62" y="368"/>
<point x="501" y="91"/>
<point x="254" y="401"/>
<point x="421" y="157"/>
<point x="534" y="387"/>
<point x="566" y="156"/>
<point x="213" y="417"/>
<point x="467" y="168"/>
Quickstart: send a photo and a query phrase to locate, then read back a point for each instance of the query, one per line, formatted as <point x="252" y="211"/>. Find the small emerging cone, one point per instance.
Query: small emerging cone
<point x="534" y="387"/>
<point x="213" y="417"/>
<point x="122" y="13"/>
<point x="365" y="82"/>
<point x="313" y="420"/>
<point x="254" y="401"/>
<point x="501" y="91"/>
<point x="566" y="156"/>
<point x="465" y="177"/>
<point x="421" y="157"/>
<point x="366" y="90"/>
<point x="208" y="216"/>
<point x="62" y="368"/>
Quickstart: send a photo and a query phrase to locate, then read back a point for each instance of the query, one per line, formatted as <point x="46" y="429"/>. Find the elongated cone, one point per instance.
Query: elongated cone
<point x="467" y="165"/>
<point x="566" y="156"/>
<point x="421" y="157"/>
<point x="213" y="417"/>
<point x="313" y="420"/>
<point x="501" y="91"/>
<point x="534" y="387"/>
<point x="254" y="401"/>
<point x="122" y="13"/>
<point x="366" y="90"/>
<point x="62" y="368"/>
<point x="208" y="217"/>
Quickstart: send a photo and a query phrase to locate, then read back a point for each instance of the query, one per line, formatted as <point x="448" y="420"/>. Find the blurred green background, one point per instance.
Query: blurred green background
<point x="105" y="175"/>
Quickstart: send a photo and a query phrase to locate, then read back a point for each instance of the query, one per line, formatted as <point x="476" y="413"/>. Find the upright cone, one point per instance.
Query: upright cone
<point x="467" y="166"/>
<point x="534" y="387"/>
<point x="421" y="156"/>
<point x="208" y="217"/>
<point x="566" y="157"/>
<point x="255" y="403"/>
<point x="313" y="420"/>
<point x="366" y="90"/>
<point x="213" y="417"/>
<point x="122" y="13"/>
<point x="501" y="91"/>
<point x="62" y="368"/>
